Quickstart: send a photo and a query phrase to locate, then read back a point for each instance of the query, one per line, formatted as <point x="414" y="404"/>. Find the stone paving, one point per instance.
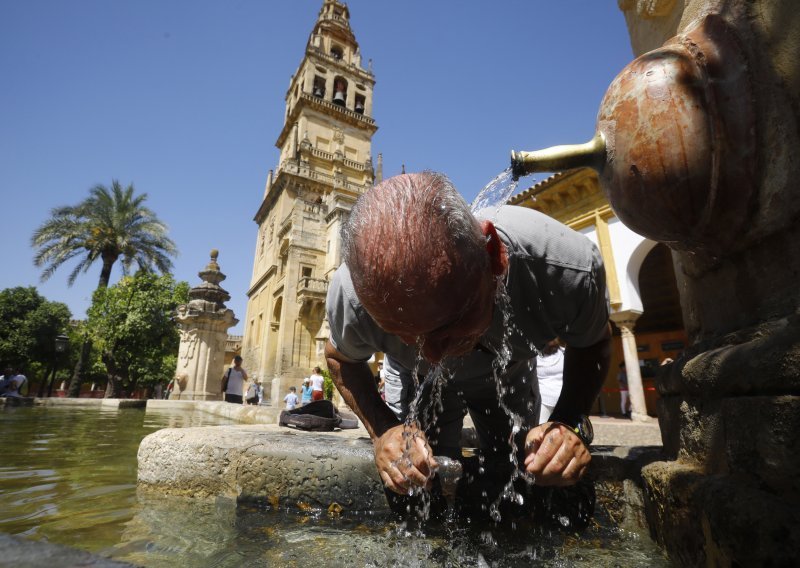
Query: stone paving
<point x="610" y="431"/>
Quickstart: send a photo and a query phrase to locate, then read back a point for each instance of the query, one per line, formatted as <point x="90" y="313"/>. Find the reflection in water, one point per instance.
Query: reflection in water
<point x="69" y="476"/>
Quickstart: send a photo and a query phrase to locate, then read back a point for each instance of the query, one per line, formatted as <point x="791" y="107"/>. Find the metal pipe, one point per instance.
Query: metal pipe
<point x="592" y="154"/>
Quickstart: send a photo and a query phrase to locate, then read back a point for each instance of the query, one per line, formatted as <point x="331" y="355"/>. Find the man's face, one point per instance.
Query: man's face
<point x="446" y="324"/>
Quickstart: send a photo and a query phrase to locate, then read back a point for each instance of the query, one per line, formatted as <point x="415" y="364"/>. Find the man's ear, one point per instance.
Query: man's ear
<point x="498" y="256"/>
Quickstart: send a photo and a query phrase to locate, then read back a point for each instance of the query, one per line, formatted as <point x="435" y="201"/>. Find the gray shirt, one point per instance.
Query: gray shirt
<point x="555" y="282"/>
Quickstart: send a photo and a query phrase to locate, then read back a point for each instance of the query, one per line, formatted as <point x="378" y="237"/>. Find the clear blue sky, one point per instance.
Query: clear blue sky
<point x="185" y="99"/>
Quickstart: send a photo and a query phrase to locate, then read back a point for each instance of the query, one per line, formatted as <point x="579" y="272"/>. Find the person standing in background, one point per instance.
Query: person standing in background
<point x="317" y="384"/>
<point x="305" y="394"/>
<point x="624" y="400"/>
<point x="233" y="382"/>
<point x="549" y="372"/>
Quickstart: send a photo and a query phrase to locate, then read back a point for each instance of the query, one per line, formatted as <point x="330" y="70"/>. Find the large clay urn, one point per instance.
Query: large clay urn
<point x="675" y="142"/>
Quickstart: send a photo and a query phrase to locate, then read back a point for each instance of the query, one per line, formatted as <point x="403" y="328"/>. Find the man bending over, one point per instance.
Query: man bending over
<point x="420" y="281"/>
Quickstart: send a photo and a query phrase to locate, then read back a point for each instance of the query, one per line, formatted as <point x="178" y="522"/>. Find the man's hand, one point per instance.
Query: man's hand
<point x="404" y="459"/>
<point x="556" y="455"/>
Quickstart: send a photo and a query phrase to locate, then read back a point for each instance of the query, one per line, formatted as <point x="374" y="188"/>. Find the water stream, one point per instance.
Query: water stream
<point x="496" y="193"/>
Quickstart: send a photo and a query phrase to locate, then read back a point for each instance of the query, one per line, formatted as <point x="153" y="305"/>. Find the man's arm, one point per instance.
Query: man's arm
<point x="585" y="370"/>
<point x="402" y="454"/>
<point x="557" y="456"/>
<point x="354" y="381"/>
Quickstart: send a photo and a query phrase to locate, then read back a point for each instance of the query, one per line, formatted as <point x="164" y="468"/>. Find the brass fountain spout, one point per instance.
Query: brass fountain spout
<point x="592" y="154"/>
<point x="675" y="143"/>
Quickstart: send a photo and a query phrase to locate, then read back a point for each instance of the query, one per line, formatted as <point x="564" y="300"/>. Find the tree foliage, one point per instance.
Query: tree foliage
<point x="110" y="224"/>
<point x="132" y="325"/>
<point x="30" y="326"/>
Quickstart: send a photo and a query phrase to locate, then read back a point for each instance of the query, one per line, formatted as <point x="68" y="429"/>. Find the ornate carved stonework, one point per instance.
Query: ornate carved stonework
<point x="203" y="323"/>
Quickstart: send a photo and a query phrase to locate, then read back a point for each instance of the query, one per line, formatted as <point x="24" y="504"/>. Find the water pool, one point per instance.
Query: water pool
<point x="69" y="476"/>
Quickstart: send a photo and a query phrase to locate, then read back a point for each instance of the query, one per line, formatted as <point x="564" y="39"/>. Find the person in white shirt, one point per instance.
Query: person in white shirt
<point x="233" y="382"/>
<point x="317" y="382"/>
<point x="549" y="372"/>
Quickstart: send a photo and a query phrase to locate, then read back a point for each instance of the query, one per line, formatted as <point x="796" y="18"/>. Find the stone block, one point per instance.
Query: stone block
<point x="745" y="526"/>
<point x="285" y="468"/>
<point x="671" y="512"/>
<point x="718" y="520"/>
<point x="761" y="441"/>
<point x="669" y="408"/>
<point x="761" y="360"/>
<point x="700" y="433"/>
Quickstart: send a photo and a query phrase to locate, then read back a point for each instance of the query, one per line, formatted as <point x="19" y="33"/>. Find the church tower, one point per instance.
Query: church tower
<point x="325" y="164"/>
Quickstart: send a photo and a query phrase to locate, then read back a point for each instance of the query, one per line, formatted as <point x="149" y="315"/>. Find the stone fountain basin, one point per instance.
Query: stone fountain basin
<point x="290" y="468"/>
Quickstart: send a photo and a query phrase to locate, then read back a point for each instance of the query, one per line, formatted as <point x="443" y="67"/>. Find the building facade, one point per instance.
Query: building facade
<point x="325" y="164"/>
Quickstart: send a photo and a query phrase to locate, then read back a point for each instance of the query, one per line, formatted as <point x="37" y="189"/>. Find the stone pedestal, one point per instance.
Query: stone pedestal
<point x="204" y="323"/>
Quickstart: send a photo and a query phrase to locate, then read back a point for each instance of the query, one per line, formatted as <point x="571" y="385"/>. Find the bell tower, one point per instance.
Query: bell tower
<point x="325" y="164"/>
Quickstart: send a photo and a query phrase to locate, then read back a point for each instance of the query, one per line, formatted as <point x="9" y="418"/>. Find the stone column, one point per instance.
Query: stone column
<point x="203" y="324"/>
<point x="626" y="321"/>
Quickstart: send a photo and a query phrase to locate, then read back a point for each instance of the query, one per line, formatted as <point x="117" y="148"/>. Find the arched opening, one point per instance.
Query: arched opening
<point x="340" y="91"/>
<point x="319" y="87"/>
<point x="360" y="102"/>
<point x="660" y="333"/>
<point x="337" y="52"/>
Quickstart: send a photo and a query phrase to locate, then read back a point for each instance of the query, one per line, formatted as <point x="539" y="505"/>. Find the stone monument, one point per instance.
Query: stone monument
<point x="203" y="323"/>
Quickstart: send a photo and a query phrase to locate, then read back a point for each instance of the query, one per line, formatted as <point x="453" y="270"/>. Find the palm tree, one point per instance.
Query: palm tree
<point x="111" y="224"/>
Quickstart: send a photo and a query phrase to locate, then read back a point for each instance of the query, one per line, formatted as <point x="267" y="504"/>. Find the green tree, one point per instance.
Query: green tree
<point x="111" y="224"/>
<point x="132" y="325"/>
<point x="30" y="326"/>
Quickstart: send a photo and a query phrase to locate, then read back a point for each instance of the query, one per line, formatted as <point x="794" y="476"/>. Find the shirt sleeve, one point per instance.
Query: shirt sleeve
<point x="352" y="331"/>
<point x="584" y="306"/>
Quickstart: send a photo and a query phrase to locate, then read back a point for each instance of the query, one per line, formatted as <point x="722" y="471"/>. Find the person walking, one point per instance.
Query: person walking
<point x="233" y="381"/>
<point x="291" y="398"/>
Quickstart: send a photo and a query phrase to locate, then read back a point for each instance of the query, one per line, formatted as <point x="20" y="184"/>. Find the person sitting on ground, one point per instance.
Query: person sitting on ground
<point x="291" y="399"/>
<point x="317" y="384"/>
<point x="305" y="393"/>
<point x="233" y="381"/>
<point x="476" y="296"/>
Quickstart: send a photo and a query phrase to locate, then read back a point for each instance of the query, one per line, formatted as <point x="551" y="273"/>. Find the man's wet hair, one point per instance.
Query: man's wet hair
<point x="397" y="229"/>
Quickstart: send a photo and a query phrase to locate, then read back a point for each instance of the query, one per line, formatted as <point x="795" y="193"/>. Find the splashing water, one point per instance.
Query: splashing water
<point x="428" y="405"/>
<point x="503" y="358"/>
<point x="496" y="193"/>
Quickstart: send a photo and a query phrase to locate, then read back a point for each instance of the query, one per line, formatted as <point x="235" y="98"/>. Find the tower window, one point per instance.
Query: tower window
<point x="319" y="87"/>
<point x="360" y="100"/>
<point x="340" y="91"/>
<point x="336" y="52"/>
